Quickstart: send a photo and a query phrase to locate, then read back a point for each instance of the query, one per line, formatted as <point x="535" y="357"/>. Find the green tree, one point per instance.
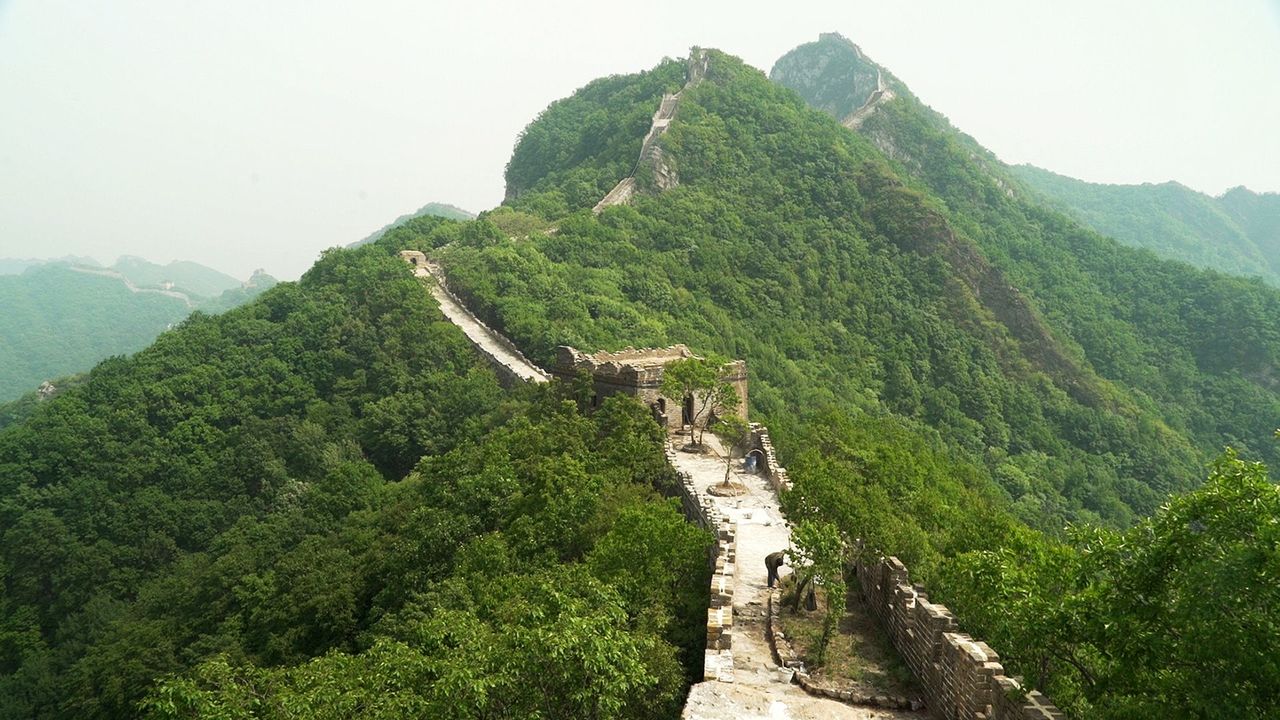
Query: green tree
<point x="734" y="435"/>
<point x="819" y="556"/>
<point x="698" y="379"/>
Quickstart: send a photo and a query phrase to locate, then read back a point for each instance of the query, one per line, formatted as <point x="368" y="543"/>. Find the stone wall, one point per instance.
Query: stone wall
<point x="962" y="677"/>
<point x="717" y="661"/>
<point x="651" y="153"/>
<point x="769" y="465"/>
<point x="508" y="376"/>
<point x="638" y="373"/>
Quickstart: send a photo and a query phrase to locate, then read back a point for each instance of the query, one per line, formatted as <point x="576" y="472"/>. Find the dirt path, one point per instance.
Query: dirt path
<point x="760" y="689"/>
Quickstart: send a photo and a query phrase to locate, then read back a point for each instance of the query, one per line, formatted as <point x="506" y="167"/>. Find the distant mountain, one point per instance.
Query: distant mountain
<point x="1258" y="214"/>
<point x="444" y="210"/>
<point x="1238" y="233"/>
<point x="61" y="318"/>
<point x="17" y="266"/>
<point x="183" y="276"/>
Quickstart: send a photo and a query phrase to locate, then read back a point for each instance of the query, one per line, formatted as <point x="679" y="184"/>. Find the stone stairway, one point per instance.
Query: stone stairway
<point x="650" y="152"/>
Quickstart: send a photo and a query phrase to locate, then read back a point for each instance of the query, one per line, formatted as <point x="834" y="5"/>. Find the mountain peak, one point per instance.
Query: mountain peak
<point x="835" y="76"/>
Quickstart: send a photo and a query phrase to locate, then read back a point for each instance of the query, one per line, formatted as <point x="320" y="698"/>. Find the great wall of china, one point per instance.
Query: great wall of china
<point x="664" y="175"/>
<point x="744" y="673"/>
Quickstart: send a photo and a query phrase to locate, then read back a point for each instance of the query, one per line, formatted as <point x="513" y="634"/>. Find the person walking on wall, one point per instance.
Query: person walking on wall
<point x="772" y="562"/>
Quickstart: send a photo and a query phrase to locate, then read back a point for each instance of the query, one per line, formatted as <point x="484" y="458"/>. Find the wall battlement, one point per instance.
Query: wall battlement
<point x="701" y="509"/>
<point x="962" y="677"/>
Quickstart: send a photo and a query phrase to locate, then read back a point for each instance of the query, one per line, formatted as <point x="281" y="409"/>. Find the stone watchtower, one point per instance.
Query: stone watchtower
<point x="638" y="373"/>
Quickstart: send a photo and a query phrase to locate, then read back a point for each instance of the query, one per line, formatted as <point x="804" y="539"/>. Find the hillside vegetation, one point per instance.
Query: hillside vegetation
<point x="322" y="505"/>
<point x="956" y="374"/>
<point x="1238" y="233"/>
<point x="61" y="318"/>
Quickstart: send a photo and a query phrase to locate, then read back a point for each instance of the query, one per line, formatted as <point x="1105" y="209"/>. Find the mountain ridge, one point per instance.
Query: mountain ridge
<point x="1237" y="232"/>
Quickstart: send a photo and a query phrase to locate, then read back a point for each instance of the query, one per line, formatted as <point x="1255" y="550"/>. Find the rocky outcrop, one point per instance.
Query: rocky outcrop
<point x="880" y="96"/>
<point x="835" y="76"/>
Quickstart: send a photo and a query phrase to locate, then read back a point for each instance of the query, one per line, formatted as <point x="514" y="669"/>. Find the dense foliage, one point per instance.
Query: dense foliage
<point x="943" y="361"/>
<point x="1198" y="349"/>
<point x="322" y="502"/>
<point x="791" y="244"/>
<point x="424" y="213"/>
<point x="1175" y="617"/>
<point x="322" y="505"/>
<point x="1238" y="233"/>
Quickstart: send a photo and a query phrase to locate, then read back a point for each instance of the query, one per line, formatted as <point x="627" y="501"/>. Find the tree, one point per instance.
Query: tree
<point x="818" y="552"/>
<point x="699" y="378"/>
<point x="734" y="434"/>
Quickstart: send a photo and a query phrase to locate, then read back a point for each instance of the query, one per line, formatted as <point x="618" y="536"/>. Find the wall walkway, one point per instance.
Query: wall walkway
<point x="741" y="679"/>
<point x="962" y="677"/>
<point x="664" y="175"/>
<point x="511" y="364"/>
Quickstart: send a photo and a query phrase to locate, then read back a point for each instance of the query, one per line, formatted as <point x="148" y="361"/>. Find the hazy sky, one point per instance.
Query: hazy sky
<point x="255" y="134"/>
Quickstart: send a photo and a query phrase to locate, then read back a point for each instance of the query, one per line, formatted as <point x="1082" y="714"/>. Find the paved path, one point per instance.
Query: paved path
<point x="481" y="335"/>
<point x="760" y="689"/>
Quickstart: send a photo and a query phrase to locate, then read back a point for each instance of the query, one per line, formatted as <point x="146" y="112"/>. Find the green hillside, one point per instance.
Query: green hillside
<point x="972" y="362"/>
<point x="59" y="319"/>
<point x="792" y="243"/>
<point x="322" y="505"/>
<point x="430" y="210"/>
<point x="1259" y="215"/>
<point x="1236" y="234"/>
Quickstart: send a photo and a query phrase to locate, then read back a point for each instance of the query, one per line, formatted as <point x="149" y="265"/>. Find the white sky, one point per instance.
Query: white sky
<point x="254" y="134"/>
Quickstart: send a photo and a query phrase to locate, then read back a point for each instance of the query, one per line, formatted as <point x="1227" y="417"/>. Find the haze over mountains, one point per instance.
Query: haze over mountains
<point x="1236" y="233"/>
<point x="322" y="504"/>
<point x="63" y="316"/>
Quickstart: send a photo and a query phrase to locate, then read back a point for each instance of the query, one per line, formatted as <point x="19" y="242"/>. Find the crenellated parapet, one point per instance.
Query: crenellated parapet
<point x="962" y="677"/>
<point x="638" y="373"/>
<point x="701" y="509"/>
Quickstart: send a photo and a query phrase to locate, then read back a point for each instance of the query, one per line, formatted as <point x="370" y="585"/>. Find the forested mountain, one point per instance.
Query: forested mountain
<point x="322" y="505"/>
<point x="61" y="317"/>
<point x="972" y="362"/>
<point x="430" y="210"/>
<point x="1238" y="233"/>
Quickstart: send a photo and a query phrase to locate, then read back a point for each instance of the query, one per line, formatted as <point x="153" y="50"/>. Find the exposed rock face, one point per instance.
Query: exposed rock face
<point x="833" y="75"/>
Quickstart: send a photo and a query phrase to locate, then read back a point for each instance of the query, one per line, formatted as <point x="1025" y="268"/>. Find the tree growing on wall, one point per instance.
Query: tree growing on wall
<point x="818" y="554"/>
<point x="699" y="379"/>
<point x="735" y="435"/>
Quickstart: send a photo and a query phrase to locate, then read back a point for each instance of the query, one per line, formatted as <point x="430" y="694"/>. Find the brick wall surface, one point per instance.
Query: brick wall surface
<point x="962" y="677"/>
<point x="718" y="659"/>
